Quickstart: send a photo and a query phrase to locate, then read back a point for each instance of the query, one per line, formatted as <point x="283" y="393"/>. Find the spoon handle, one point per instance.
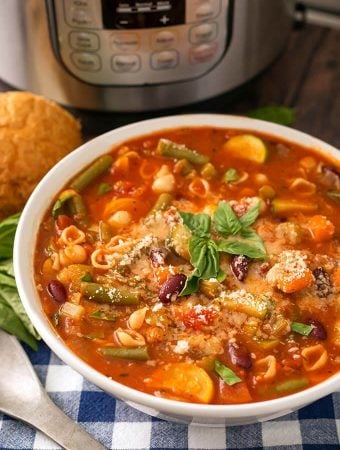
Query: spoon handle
<point x="48" y="418"/>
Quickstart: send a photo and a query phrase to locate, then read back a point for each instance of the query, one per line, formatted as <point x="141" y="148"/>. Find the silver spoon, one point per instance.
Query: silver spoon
<point x="23" y="397"/>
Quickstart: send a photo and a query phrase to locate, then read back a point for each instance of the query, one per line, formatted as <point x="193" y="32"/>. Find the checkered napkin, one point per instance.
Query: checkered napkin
<point x="118" y="426"/>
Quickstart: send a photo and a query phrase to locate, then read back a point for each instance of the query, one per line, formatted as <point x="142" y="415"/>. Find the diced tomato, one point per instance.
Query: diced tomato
<point x="198" y="316"/>
<point x="237" y="393"/>
<point x="63" y="222"/>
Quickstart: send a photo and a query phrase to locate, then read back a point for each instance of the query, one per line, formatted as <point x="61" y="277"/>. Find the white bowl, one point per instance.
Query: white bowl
<point x="25" y="241"/>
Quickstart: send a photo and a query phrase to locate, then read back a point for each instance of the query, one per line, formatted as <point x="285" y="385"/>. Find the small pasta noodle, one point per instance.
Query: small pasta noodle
<point x="199" y="187"/>
<point x="72" y="235"/>
<point x="265" y="368"/>
<point x="314" y="357"/>
<point x="72" y="254"/>
<point x="148" y="169"/>
<point x="102" y="259"/>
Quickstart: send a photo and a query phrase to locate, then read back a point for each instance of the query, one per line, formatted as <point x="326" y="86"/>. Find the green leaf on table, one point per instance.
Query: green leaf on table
<point x="6" y="267"/>
<point x="11" y="323"/>
<point x="226" y="222"/>
<point x="6" y="280"/>
<point x="277" y="114"/>
<point x="11" y="297"/>
<point x="199" y="224"/>
<point x="7" y="233"/>
<point x="226" y="374"/>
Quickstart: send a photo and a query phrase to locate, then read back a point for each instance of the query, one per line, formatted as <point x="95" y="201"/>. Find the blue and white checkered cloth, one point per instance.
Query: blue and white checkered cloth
<point x="118" y="426"/>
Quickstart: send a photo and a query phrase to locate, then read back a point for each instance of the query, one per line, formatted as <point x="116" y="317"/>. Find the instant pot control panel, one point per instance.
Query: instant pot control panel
<point x="131" y="43"/>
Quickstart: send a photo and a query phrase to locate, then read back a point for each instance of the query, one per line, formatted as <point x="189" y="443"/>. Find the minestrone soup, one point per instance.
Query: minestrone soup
<point x="199" y="265"/>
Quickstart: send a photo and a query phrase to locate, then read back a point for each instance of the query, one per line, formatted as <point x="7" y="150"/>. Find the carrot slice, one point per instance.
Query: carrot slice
<point x="182" y="381"/>
<point x="320" y="228"/>
<point x="289" y="285"/>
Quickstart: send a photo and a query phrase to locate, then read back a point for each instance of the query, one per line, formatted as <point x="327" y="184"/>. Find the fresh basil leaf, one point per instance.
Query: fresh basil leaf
<point x="235" y="247"/>
<point x="225" y="220"/>
<point x="221" y="276"/>
<point x="227" y="375"/>
<point x="104" y="188"/>
<point x="334" y="195"/>
<point x="11" y="323"/>
<point x="199" y="224"/>
<point x="250" y="216"/>
<point x="204" y="257"/>
<point x="252" y="238"/>
<point x="276" y="114"/>
<point x="301" y="328"/>
<point x="191" y="286"/>
<point x="231" y="175"/>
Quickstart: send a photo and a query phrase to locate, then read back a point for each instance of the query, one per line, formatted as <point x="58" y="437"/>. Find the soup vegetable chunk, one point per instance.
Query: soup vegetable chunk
<point x="199" y="265"/>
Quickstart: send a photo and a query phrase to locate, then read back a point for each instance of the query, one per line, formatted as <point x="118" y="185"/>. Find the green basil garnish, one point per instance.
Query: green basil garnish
<point x="199" y="224"/>
<point x="225" y="220"/>
<point x="227" y="375"/>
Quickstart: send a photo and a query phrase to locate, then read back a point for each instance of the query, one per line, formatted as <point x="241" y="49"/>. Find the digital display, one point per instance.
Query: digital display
<point x="138" y="14"/>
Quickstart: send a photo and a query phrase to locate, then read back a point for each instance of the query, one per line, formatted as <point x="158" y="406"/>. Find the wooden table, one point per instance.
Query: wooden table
<point x="306" y="77"/>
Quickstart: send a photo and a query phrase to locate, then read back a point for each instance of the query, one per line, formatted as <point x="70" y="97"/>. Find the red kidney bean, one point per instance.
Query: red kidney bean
<point x="239" y="356"/>
<point x="239" y="266"/>
<point x="171" y="288"/>
<point x="57" y="291"/>
<point x="319" y="332"/>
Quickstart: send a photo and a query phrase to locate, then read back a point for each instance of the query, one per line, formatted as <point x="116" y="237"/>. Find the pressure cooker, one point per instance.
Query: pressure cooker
<point x="121" y="56"/>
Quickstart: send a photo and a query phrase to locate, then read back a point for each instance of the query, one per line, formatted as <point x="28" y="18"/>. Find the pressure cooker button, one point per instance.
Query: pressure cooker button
<point x="168" y="59"/>
<point x="203" y="33"/>
<point x="80" y="18"/>
<point x="163" y="40"/>
<point x="125" y="41"/>
<point x="125" y="63"/>
<point x="80" y="40"/>
<point x="205" y="11"/>
<point x="202" y="53"/>
<point x="88" y="62"/>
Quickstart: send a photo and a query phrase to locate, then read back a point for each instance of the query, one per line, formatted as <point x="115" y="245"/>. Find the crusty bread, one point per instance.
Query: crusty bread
<point x="35" y="134"/>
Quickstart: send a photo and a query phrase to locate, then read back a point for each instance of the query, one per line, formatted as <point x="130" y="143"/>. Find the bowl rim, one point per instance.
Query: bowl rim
<point x="41" y="199"/>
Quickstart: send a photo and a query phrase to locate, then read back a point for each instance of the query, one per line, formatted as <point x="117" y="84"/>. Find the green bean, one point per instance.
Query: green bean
<point x="180" y="151"/>
<point x="105" y="232"/>
<point x="113" y="295"/>
<point x="163" y="201"/>
<point x="92" y="172"/>
<point x="291" y="385"/>
<point x="139" y="353"/>
<point x="58" y="206"/>
<point x="78" y="210"/>
<point x="183" y="167"/>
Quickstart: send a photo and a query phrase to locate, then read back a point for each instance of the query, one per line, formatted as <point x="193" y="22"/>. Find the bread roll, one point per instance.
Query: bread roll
<point x="35" y="134"/>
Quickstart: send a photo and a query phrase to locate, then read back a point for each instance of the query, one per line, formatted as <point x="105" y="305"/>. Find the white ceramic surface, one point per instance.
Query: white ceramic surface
<point x="210" y="415"/>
